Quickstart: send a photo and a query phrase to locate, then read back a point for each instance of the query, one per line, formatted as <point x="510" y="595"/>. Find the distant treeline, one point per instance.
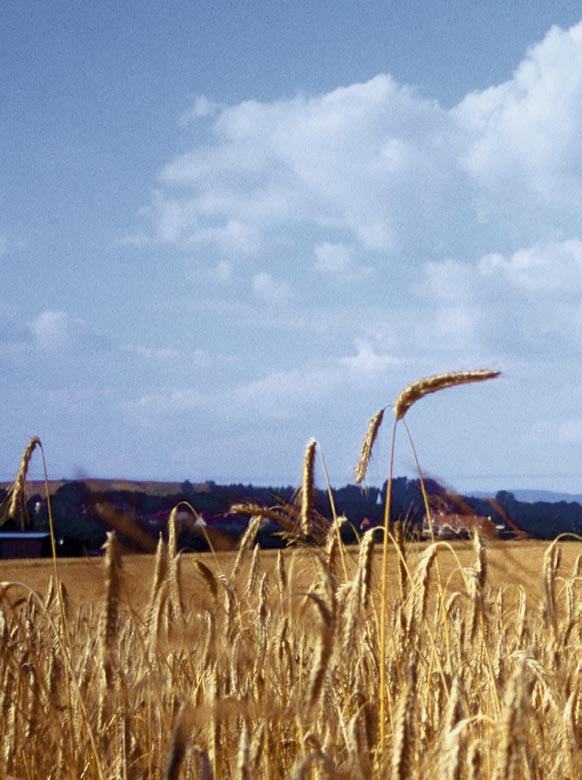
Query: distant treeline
<point x="73" y="506"/>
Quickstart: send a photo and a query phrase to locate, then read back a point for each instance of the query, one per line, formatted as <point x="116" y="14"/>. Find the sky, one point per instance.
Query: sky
<point x="226" y="228"/>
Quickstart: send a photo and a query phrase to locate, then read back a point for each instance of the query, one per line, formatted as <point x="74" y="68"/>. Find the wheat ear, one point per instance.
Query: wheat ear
<point x="402" y="745"/>
<point x="246" y="542"/>
<point x="17" y="491"/>
<point x="368" y="445"/>
<point x="323" y="650"/>
<point x="432" y="384"/>
<point x="112" y="586"/>
<point x="307" y="487"/>
<point x="209" y="579"/>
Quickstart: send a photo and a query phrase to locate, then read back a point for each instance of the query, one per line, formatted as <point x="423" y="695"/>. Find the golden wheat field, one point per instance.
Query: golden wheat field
<point x="266" y="665"/>
<point x="455" y="661"/>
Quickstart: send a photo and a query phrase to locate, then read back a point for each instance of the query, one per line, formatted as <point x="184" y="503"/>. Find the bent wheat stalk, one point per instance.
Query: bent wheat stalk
<point x="407" y="398"/>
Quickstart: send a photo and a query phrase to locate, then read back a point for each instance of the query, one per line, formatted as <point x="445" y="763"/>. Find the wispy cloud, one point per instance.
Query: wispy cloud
<point x="202" y="109"/>
<point x="337" y="260"/>
<point x="271" y="290"/>
<point x="279" y="394"/>
<point x="10" y="244"/>
<point x="54" y="331"/>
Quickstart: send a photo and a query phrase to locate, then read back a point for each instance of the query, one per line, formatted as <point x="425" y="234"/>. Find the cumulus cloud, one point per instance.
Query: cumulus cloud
<point x="182" y="221"/>
<point x="350" y="159"/>
<point x="393" y="173"/>
<point x="461" y="226"/>
<point x="545" y="269"/>
<point x="525" y="133"/>
<point x="530" y="298"/>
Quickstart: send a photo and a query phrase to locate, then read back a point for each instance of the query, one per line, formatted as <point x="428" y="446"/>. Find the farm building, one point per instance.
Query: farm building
<point x="451" y="526"/>
<point x="19" y="544"/>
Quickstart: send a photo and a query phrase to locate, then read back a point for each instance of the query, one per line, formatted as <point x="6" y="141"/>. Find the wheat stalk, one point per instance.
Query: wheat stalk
<point x="405" y="400"/>
<point x="178" y="745"/>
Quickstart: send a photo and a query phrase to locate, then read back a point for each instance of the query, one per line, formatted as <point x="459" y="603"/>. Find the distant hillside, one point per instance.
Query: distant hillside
<point x="150" y="488"/>
<point x="533" y="496"/>
<point x="79" y="513"/>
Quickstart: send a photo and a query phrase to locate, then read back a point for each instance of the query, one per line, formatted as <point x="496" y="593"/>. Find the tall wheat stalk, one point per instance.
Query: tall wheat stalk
<point x="71" y="683"/>
<point x="405" y="400"/>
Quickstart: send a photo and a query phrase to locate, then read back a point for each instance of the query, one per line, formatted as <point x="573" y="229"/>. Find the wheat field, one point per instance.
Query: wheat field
<point x="266" y="665"/>
<point x="455" y="661"/>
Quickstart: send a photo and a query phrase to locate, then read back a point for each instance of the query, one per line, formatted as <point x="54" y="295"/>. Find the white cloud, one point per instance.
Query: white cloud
<point x="524" y="136"/>
<point x="367" y="360"/>
<point x="271" y="290"/>
<point x="529" y="300"/>
<point x="54" y="331"/>
<point x="337" y="260"/>
<point x="393" y="173"/>
<point x="278" y="394"/>
<point x="282" y="394"/>
<point x="181" y="221"/>
<point x="544" y="269"/>
<point x="202" y="108"/>
<point x="163" y="354"/>
<point x="332" y="258"/>
<point x="350" y="159"/>
<point x="10" y="244"/>
<point x="466" y="219"/>
<point x="179" y="400"/>
<point x="224" y="271"/>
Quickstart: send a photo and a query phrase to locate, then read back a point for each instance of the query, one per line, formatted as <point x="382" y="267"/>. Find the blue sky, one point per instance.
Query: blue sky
<point x="227" y="228"/>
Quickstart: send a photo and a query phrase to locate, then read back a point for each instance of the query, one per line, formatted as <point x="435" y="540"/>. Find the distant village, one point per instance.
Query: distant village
<point x="212" y="515"/>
